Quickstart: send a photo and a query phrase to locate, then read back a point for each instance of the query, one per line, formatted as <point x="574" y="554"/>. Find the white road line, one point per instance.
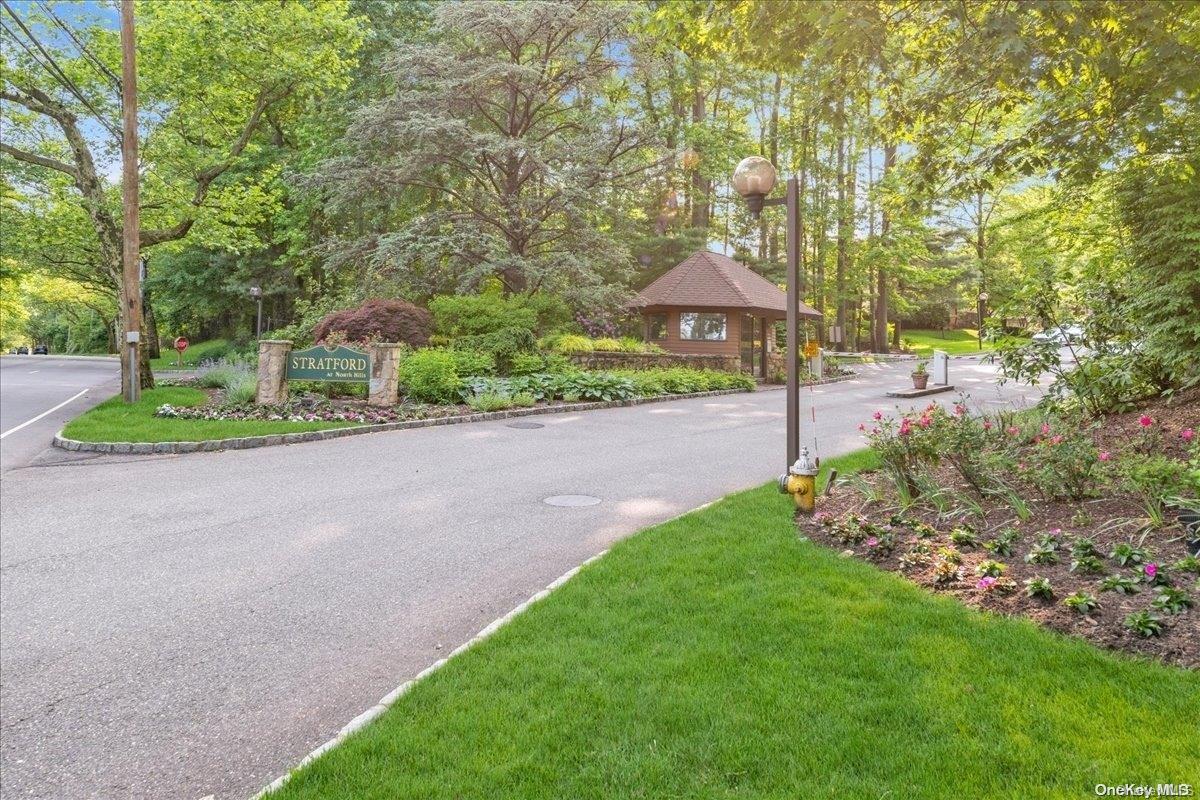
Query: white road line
<point x="44" y="413"/>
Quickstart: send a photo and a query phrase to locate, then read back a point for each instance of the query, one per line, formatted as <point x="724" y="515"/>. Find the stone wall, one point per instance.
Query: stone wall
<point x="602" y="361"/>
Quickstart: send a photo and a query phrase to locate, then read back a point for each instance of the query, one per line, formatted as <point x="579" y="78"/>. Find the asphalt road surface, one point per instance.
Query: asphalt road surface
<point x="30" y="386"/>
<point x="185" y="626"/>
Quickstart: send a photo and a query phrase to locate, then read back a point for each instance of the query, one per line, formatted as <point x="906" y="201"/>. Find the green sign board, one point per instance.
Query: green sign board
<point x="321" y="363"/>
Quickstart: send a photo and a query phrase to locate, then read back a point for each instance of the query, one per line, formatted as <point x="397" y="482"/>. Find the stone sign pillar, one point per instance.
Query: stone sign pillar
<point x="940" y="373"/>
<point x="385" y="379"/>
<point x="272" y="371"/>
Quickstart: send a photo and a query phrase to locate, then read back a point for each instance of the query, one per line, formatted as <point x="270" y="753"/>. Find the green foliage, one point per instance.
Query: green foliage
<point x="1128" y="554"/>
<point x="431" y="376"/>
<point x="567" y="343"/>
<point x="456" y="316"/>
<point x="473" y="362"/>
<point x="1082" y="602"/>
<point x="1122" y="584"/>
<point x="1159" y="478"/>
<point x="1171" y="600"/>
<point x="502" y="345"/>
<point x="1144" y="623"/>
<point x="489" y="401"/>
<point x="1039" y="587"/>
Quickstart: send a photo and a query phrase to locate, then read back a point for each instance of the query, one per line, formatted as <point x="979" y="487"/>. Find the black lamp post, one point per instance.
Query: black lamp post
<point x="982" y="309"/>
<point x="256" y="293"/>
<point x="753" y="179"/>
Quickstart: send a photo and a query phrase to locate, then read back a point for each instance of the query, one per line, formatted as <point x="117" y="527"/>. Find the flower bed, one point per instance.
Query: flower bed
<point x="1073" y="525"/>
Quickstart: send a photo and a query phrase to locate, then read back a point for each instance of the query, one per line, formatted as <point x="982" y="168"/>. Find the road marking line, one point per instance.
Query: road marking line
<point x="43" y="414"/>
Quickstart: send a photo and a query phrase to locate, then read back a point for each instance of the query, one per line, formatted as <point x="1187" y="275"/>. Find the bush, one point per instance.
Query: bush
<point x="532" y="363"/>
<point x="575" y="343"/>
<point x="241" y="389"/>
<point x="457" y="316"/>
<point x="378" y="320"/>
<point x="489" y="401"/>
<point x="431" y="376"/>
<point x="503" y="345"/>
<point x="473" y="362"/>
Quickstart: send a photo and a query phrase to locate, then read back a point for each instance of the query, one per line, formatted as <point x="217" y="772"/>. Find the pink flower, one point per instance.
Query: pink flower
<point x="1055" y="531"/>
<point x="1145" y="420"/>
<point x="985" y="583"/>
<point x="1151" y="570"/>
<point x="905" y="427"/>
<point x="874" y="430"/>
<point x="1056" y="439"/>
<point x="924" y="421"/>
<point x="1106" y="456"/>
<point x="1045" y="429"/>
<point x="959" y="409"/>
<point x="872" y="542"/>
<point x="1012" y="430"/>
<point x="987" y="426"/>
<point x="1187" y="434"/>
<point x="878" y="415"/>
<point x="862" y="426"/>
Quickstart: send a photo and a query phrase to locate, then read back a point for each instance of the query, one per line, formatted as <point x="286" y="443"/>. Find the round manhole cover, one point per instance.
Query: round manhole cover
<point x="571" y="500"/>
<point x="525" y="426"/>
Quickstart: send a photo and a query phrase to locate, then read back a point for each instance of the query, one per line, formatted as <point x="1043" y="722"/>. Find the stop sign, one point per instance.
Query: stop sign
<point x="181" y="344"/>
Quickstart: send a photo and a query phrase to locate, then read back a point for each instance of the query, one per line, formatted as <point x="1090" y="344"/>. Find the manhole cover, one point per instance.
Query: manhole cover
<point x="525" y="426"/>
<point x="571" y="500"/>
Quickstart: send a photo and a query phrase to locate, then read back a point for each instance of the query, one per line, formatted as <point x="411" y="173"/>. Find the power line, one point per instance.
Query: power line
<point x="52" y="67"/>
<point x="83" y="50"/>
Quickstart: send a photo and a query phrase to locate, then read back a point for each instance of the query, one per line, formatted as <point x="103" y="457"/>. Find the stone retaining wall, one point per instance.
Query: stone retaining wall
<point x="609" y="360"/>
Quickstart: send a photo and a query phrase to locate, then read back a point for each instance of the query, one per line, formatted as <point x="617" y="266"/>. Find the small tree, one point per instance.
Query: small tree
<point x="380" y="320"/>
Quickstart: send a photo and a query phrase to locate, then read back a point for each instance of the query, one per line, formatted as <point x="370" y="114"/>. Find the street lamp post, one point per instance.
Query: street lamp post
<point x="981" y="309"/>
<point x="753" y="179"/>
<point x="256" y="293"/>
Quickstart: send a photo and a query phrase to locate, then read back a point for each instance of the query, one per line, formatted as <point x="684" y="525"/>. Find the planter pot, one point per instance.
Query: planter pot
<point x="920" y="380"/>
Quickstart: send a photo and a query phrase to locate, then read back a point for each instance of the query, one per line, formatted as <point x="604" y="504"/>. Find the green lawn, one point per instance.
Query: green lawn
<point x="115" y="421"/>
<point x="717" y="656"/>
<point x="963" y="341"/>
<point x="196" y="352"/>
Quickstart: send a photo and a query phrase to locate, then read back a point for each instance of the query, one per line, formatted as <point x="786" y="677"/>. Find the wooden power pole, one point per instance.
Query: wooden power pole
<point x="131" y="295"/>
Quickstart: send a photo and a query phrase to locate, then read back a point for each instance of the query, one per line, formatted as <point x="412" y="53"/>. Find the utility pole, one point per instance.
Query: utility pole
<point x="131" y="294"/>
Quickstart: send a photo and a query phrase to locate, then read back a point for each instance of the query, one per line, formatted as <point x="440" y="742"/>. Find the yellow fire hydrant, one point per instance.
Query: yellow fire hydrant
<point x="801" y="482"/>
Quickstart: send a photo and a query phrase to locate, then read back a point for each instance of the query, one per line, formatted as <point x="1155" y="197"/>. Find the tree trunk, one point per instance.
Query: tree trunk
<point x="700" y="184"/>
<point x="843" y="224"/>
<point x="881" y="291"/>
<point x="151" y="344"/>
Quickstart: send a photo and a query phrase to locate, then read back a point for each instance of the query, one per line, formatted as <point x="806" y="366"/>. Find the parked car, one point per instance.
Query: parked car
<point x="22" y="351"/>
<point x="1061" y="335"/>
<point x="41" y="350"/>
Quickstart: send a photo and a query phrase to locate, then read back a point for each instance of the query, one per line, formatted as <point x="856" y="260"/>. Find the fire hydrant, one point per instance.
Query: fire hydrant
<point x="801" y="482"/>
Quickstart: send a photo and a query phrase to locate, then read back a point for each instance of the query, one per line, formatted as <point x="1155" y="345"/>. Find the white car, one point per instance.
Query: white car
<point x="1061" y="335"/>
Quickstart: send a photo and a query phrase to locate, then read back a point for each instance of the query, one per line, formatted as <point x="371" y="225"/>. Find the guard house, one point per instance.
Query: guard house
<point x="710" y="303"/>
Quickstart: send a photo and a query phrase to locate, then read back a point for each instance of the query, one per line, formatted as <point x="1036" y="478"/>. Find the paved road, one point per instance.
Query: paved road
<point x="180" y="626"/>
<point x="33" y="385"/>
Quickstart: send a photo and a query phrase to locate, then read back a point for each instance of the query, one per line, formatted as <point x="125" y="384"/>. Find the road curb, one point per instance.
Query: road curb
<point x="271" y="440"/>
<point x="389" y="699"/>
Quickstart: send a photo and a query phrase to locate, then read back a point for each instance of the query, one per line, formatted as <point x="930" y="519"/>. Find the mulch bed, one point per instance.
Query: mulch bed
<point x="1117" y="516"/>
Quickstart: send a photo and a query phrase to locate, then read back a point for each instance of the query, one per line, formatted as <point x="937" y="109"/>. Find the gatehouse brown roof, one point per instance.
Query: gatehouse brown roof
<point x="711" y="280"/>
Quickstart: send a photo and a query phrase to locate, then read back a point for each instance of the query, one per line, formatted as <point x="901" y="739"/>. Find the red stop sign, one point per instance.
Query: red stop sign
<point x="181" y="344"/>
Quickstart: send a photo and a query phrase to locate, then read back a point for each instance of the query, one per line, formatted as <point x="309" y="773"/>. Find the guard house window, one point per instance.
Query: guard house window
<point x="702" y="327"/>
<point x="656" y="326"/>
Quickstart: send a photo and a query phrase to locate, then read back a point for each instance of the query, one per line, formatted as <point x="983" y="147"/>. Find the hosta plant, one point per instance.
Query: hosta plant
<point x="1144" y="623"/>
<point x="1082" y="602"/>
<point x="1039" y="587"/>
<point x="964" y="536"/>
<point x="1042" y="553"/>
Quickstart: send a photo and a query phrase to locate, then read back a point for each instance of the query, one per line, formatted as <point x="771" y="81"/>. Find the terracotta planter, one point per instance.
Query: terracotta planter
<point x="920" y="380"/>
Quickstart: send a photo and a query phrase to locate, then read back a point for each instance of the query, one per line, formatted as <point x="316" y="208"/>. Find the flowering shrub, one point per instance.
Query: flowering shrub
<point x="1062" y="461"/>
<point x="292" y="411"/>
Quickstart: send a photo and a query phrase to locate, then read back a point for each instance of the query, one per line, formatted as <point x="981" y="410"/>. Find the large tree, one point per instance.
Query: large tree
<point x="511" y="121"/>
<point x="201" y="115"/>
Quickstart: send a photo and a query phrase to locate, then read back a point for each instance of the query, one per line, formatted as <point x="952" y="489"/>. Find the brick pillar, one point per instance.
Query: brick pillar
<point x="385" y="381"/>
<point x="272" y="371"/>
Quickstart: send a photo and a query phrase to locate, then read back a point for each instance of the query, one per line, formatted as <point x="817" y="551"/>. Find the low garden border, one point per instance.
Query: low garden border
<point x="249" y="442"/>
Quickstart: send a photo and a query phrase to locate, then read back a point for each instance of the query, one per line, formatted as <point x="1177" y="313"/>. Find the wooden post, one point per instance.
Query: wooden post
<point x="794" y="293"/>
<point x="131" y="296"/>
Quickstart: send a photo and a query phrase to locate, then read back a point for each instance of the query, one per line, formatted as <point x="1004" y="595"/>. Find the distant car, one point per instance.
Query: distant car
<point x="22" y="351"/>
<point x="1061" y="335"/>
<point x="41" y="350"/>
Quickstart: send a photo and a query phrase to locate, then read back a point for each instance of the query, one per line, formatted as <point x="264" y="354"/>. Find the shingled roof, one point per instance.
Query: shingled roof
<point x="711" y="280"/>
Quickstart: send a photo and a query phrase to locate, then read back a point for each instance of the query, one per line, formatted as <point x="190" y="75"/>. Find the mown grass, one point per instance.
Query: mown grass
<point x="717" y="656"/>
<point x="115" y="421"/>
<point x="963" y="341"/>
<point x="196" y="352"/>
